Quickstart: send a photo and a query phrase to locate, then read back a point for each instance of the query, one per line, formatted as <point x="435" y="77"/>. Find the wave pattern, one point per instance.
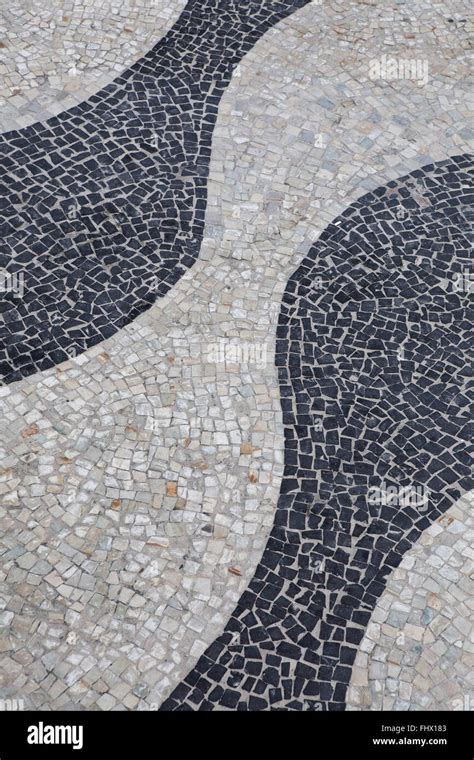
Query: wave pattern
<point x="103" y="206"/>
<point x="372" y="355"/>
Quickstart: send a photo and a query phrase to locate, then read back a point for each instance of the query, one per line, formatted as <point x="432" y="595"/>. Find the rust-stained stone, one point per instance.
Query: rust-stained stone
<point x="29" y="431"/>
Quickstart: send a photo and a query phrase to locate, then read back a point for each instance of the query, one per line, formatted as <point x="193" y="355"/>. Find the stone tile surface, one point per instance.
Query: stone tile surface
<point x="372" y="355"/>
<point x="140" y="478"/>
<point x="417" y="653"/>
<point x="55" y="54"/>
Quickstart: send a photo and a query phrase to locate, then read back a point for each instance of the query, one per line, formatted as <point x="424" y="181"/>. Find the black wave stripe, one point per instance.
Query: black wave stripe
<point x="372" y="353"/>
<point x="103" y="206"/>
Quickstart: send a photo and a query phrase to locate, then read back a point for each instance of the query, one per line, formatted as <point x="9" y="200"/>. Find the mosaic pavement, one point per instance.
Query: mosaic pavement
<point x="54" y="55"/>
<point x="371" y="347"/>
<point x="212" y="504"/>
<point x="111" y="195"/>
<point x="416" y="653"/>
